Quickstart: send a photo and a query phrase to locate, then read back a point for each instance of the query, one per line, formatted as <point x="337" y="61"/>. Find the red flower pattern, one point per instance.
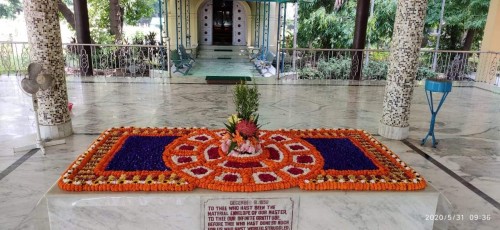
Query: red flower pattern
<point x="265" y="177"/>
<point x="295" y="171"/>
<point x="184" y="159"/>
<point x="230" y="178"/>
<point x="213" y="153"/>
<point x="199" y="171"/>
<point x="305" y="159"/>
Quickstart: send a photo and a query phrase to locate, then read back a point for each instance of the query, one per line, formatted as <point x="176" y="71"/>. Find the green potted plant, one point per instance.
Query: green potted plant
<point x="242" y="135"/>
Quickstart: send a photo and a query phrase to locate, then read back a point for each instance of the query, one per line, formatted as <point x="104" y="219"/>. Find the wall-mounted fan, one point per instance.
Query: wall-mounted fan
<point x="31" y="84"/>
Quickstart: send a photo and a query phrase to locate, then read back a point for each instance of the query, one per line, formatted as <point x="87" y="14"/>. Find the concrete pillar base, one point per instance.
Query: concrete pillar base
<point x="51" y="132"/>
<point x="395" y="133"/>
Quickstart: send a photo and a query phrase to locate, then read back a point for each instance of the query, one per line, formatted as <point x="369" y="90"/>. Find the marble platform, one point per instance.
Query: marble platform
<point x="467" y="128"/>
<point x="295" y="208"/>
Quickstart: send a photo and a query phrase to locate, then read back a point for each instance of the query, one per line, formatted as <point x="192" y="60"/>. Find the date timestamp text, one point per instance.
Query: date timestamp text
<point x="459" y="217"/>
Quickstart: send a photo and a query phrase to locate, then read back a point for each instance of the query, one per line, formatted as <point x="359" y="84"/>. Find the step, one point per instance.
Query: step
<point x="221" y="48"/>
<point x="221" y="54"/>
<point x="223" y="57"/>
<point x="231" y="60"/>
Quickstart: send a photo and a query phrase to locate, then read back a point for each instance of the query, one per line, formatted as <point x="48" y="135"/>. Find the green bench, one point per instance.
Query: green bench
<point x="184" y="53"/>
<point x="258" y="54"/>
<point x="182" y="63"/>
<point x="265" y="64"/>
<point x="266" y="61"/>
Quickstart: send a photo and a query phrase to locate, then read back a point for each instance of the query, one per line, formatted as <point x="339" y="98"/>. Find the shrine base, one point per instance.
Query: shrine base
<point x="207" y="209"/>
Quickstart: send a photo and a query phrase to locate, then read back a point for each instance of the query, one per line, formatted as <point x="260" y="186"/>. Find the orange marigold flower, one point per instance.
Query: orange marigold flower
<point x="238" y="138"/>
<point x="254" y="141"/>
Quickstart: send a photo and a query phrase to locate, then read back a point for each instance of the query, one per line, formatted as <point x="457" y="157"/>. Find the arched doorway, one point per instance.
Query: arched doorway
<point x="222" y="23"/>
<point x="205" y="23"/>
<point x="239" y="24"/>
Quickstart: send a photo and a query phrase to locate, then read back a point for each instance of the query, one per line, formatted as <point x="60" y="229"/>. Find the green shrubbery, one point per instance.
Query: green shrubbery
<point x="335" y="68"/>
<point x="340" y="68"/>
<point x="132" y="58"/>
<point x="423" y="73"/>
<point x="375" y="70"/>
<point x="310" y="73"/>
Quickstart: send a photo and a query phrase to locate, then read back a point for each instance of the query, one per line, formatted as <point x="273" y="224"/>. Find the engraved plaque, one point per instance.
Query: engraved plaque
<point x="248" y="213"/>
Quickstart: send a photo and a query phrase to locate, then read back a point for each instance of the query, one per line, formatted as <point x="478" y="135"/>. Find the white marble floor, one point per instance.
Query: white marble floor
<point x="468" y="128"/>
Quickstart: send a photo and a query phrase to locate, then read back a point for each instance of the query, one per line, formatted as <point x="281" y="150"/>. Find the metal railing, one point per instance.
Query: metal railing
<point x="338" y="63"/>
<point x="327" y="63"/>
<point x="14" y="57"/>
<point x="463" y="65"/>
<point x="103" y="59"/>
<point x="151" y="60"/>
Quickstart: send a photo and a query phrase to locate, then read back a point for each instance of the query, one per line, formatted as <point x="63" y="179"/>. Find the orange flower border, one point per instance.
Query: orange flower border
<point x="87" y="172"/>
<point x="399" y="176"/>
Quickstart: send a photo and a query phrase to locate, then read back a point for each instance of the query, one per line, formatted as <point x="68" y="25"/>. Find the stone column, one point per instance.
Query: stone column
<point x="489" y="62"/>
<point x="405" y="47"/>
<point x="44" y="36"/>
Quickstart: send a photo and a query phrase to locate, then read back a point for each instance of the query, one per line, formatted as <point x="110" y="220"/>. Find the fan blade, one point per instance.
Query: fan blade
<point x="33" y="70"/>
<point x="29" y="86"/>
<point x="45" y="81"/>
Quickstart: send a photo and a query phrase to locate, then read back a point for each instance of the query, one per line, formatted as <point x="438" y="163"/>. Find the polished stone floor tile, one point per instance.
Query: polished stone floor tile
<point x="468" y="128"/>
<point x="22" y="189"/>
<point x="462" y="200"/>
<point x="6" y="161"/>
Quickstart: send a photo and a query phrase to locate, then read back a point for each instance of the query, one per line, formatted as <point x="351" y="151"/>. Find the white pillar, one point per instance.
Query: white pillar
<point x="405" y="48"/>
<point x="44" y="36"/>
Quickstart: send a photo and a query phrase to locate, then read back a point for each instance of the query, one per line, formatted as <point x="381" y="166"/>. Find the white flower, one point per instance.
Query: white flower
<point x="233" y="119"/>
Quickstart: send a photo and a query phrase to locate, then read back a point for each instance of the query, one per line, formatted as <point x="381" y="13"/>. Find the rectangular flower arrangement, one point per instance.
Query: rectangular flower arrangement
<point x="181" y="159"/>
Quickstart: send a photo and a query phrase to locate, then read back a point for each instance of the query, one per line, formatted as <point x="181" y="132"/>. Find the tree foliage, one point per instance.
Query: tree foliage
<point x="381" y="23"/>
<point x="320" y="26"/>
<point x="467" y="14"/>
<point x="460" y="17"/>
<point x="133" y="10"/>
<point x="9" y="8"/>
<point x="137" y="9"/>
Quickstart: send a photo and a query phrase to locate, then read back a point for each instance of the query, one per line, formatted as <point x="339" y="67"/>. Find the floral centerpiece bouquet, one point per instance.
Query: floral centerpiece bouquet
<point x="242" y="135"/>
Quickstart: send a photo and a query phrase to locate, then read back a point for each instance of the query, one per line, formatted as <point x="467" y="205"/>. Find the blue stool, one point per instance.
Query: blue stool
<point x="435" y="85"/>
